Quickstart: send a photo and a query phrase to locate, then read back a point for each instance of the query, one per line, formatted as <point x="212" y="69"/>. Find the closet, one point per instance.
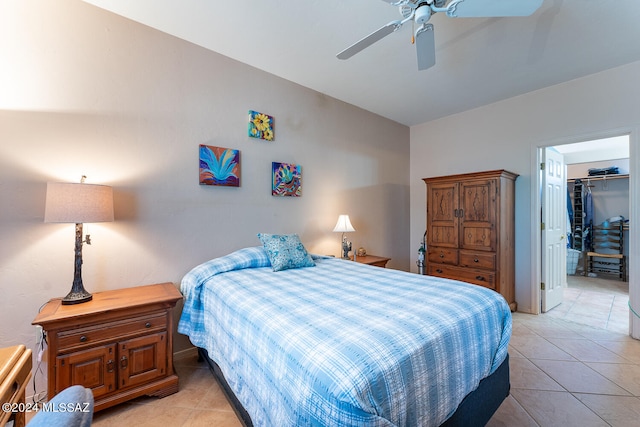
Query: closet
<point x="470" y="229"/>
<point x="596" y="201"/>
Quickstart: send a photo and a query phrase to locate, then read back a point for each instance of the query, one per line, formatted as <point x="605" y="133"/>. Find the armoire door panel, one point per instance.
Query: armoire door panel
<point x="478" y="200"/>
<point x="442" y="210"/>
<point x="478" y="238"/>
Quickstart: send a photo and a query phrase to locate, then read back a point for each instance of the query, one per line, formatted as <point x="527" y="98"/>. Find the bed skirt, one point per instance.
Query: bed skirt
<point x="476" y="409"/>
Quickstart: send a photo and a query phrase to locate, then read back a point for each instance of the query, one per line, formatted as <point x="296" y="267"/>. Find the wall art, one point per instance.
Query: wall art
<point x="286" y="179"/>
<point x="219" y="166"/>
<point x="261" y="126"/>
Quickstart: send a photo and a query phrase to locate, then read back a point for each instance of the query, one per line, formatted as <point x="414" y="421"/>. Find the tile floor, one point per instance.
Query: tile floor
<point x="599" y="302"/>
<point x="567" y="369"/>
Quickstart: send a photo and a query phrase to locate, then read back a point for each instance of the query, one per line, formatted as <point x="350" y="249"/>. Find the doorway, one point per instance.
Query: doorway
<point x="599" y="168"/>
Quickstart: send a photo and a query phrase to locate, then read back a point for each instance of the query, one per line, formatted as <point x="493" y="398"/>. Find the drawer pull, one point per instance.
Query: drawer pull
<point x="110" y="365"/>
<point x="476" y="260"/>
<point x="480" y="278"/>
<point x="438" y="270"/>
<point x="441" y="255"/>
<point x="124" y="362"/>
<point x="83" y="338"/>
<point x="147" y="325"/>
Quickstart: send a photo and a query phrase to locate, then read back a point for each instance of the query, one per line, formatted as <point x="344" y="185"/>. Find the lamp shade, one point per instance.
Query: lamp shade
<point x="343" y="225"/>
<point x="78" y="203"/>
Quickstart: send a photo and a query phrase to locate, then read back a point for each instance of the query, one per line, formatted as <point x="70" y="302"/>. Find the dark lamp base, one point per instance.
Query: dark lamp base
<point x="77" y="297"/>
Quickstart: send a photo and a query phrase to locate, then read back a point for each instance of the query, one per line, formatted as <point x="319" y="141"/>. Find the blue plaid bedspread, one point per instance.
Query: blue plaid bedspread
<point x="343" y="343"/>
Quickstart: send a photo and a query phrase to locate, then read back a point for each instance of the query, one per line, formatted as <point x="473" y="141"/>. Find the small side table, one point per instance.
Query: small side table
<point x="15" y="373"/>
<point x="377" y="261"/>
<point x="119" y="344"/>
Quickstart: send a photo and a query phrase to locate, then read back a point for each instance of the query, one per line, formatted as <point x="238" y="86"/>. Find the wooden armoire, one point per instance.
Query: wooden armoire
<point x="470" y="229"/>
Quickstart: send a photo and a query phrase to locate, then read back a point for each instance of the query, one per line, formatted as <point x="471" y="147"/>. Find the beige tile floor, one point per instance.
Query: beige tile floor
<point x="565" y="371"/>
<point x="599" y="302"/>
<point x="576" y="364"/>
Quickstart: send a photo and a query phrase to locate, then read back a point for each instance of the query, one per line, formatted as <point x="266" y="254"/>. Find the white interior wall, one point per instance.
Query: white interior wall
<point x="84" y="91"/>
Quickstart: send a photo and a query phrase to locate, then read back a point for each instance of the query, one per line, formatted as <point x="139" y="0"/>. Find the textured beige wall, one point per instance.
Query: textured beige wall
<point x="83" y="91"/>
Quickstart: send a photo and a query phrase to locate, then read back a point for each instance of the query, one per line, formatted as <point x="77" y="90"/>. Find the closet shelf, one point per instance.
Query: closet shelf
<point x="600" y="177"/>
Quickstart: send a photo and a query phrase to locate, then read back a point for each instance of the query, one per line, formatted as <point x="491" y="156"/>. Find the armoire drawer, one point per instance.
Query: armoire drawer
<point x="477" y="259"/>
<point x="470" y="275"/>
<point x="442" y="255"/>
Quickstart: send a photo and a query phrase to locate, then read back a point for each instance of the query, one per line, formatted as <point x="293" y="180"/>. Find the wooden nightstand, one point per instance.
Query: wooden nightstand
<point x="378" y="261"/>
<point x="15" y="372"/>
<point x="120" y="344"/>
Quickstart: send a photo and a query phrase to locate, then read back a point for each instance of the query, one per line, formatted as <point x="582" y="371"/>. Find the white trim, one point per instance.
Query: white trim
<point x="634" y="231"/>
<point x="536" y="238"/>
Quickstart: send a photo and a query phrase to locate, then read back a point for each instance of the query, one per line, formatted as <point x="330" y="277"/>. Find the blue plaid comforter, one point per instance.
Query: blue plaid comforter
<point x="342" y="343"/>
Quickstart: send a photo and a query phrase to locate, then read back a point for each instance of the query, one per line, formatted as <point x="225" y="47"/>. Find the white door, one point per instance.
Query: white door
<point x="554" y="229"/>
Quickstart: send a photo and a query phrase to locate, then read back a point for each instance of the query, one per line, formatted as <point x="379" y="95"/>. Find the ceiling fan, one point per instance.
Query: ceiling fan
<point x="420" y="11"/>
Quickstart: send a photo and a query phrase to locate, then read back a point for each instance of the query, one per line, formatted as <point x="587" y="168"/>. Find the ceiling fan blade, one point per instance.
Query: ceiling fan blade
<point x="491" y="8"/>
<point x="425" y="47"/>
<point x="369" y="40"/>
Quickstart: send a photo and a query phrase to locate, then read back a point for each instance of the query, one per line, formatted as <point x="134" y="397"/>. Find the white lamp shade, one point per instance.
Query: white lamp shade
<point x="343" y="225"/>
<point x="78" y="203"/>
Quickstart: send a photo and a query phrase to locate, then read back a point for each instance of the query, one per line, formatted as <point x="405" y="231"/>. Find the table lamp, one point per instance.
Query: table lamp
<point x="344" y="226"/>
<point x="78" y="203"/>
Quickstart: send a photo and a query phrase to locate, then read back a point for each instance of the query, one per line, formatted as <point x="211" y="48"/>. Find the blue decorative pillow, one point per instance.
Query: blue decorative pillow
<point x="285" y="251"/>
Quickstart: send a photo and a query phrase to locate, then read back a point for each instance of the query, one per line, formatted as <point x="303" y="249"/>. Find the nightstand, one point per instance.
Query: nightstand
<point x="377" y="261"/>
<point x="15" y="372"/>
<point x="119" y="344"/>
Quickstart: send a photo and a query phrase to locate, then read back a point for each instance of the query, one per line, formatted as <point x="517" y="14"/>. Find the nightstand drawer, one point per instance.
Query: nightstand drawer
<point x="76" y="338"/>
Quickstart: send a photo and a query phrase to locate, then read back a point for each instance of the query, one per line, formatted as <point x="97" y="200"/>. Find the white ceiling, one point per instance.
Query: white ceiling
<point x="597" y="150"/>
<point x="478" y="60"/>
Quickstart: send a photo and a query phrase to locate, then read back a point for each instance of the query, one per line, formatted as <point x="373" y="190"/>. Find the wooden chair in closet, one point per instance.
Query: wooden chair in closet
<point x="607" y="250"/>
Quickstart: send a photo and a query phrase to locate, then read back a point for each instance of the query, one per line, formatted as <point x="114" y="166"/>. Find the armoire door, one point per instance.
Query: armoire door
<point x="478" y="215"/>
<point x="442" y="215"/>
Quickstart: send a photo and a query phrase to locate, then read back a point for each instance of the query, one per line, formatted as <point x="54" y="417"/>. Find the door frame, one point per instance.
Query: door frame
<point x="634" y="216"/>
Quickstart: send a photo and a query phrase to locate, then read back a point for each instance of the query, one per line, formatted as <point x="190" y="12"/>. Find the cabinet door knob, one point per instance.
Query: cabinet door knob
<point x="110" y="365"/>
<point x="480" y="278"/>
<point x="83" y="338"/>
<point x="147" y="325"/>
<point x="124" y="362"/>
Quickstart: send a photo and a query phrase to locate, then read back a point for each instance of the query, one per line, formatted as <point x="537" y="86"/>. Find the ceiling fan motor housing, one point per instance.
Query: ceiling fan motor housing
<point x="423" y="14"/>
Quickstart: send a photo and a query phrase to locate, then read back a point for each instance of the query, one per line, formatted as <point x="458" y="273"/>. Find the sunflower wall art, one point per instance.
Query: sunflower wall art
<point x="261" y="126"/>
<point x="219" y="166"/>
<point x="286" y="180"/>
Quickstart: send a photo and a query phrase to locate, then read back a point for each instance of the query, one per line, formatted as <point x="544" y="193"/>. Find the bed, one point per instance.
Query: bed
<point x="346" y="344"/>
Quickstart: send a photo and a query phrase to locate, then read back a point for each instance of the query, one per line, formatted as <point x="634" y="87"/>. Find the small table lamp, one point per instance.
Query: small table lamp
<point x="344" y="226"/>
<point x="78" y="203"/>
